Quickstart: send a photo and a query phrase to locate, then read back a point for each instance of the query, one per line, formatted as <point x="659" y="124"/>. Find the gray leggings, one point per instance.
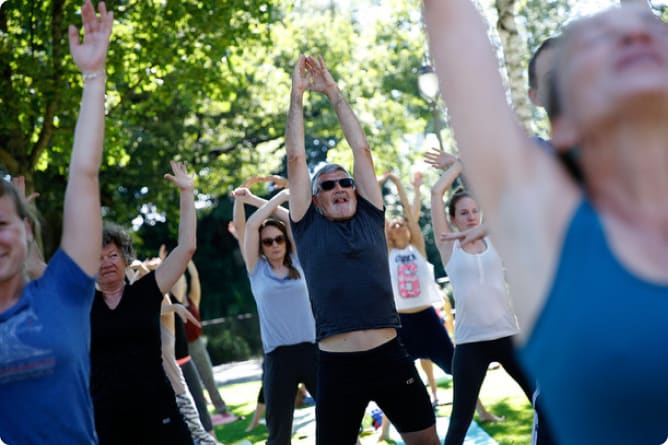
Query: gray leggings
<point x="202" y="361"/>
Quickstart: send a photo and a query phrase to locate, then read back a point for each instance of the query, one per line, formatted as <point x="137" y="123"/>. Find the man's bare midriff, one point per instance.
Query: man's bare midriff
<point x="356" y="341"/>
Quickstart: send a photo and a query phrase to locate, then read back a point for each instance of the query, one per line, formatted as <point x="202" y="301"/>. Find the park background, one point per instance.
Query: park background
<point x="207" y="82"/>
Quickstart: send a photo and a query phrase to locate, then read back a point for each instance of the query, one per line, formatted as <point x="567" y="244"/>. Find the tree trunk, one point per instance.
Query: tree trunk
<point x="514" y="51"/>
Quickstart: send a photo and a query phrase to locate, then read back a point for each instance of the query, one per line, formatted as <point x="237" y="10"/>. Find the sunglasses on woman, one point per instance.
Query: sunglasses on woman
<point x="280" y="239"/>
<point x="331" y="183"/>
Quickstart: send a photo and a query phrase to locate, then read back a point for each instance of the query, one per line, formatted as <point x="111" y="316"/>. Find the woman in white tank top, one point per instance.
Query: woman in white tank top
<point x="485" y="321"/>
<point x="415" y="291"/>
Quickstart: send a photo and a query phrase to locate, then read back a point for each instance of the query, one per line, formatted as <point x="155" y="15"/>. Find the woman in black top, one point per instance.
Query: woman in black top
<point x="133" y="400"/>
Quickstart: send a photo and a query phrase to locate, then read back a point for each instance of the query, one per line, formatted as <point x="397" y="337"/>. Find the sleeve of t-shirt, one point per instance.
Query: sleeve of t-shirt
<point x="374" y="212"/>
<point x="71" y="284"/>
<point x="299" y="227"/>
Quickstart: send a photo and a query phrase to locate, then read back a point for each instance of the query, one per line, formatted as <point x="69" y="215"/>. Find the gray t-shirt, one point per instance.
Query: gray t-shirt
<point x="283" y="307"/>
<point x="345" y="263"/>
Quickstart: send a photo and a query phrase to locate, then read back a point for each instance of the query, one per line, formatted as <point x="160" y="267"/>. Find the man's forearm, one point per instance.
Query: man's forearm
<point x="294" y="131"/>
<point x="352" y="130"/>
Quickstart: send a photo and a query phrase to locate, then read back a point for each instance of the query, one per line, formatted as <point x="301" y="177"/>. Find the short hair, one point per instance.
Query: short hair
<point x="546" y="44"/>
<point x="116" y="234"/>
<point x="327" y="168"/>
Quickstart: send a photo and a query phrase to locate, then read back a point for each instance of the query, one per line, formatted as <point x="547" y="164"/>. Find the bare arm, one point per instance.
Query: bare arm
<point x="251" y="245"/>
<point x="417" y="196"/>
<point x="175" y="263"/>
<point x="195" y="294"/>
<point x="363" y="170"/>
<point x="438" y="219"/>
<point x="417" y="239"/>
<point x="82" y="220"/>
<point x="298" y="175"/>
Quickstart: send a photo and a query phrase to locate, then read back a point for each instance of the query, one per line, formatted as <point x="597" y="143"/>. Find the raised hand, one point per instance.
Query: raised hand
<point x="185" y="314"/>
<point x="20" y="185"/>
<point x="279" y="181"/>
<point x="319" y="78"/>
<point x="439" y="159"/>
<point x="181" y="178"/>
<point x="300" y="81"/>
<point x="242" y="193"/>
<point x="233" y="230"/>
<point x="417" y="180"/>
<point x="90" y="56"/>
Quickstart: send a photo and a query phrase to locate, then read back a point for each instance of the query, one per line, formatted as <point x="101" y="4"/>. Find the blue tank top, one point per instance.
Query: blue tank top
<point x="598" y="349"/>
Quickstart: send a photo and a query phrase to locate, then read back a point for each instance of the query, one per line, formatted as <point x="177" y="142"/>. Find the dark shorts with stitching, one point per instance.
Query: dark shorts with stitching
<point x="348" y="381"/>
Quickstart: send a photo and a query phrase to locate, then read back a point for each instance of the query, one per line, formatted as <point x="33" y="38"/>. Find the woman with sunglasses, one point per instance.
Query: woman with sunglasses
<point x="287" y="326"/>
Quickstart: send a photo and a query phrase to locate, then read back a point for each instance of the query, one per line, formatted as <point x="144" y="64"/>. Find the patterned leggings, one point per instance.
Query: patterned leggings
<point x="191" y="416"/>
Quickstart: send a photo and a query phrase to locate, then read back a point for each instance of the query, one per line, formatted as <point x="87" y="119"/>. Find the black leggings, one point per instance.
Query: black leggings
<point x="469" y="367"/>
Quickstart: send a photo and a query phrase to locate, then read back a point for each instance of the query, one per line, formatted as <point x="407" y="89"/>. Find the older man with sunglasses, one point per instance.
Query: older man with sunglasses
<point x="338" y="225"/>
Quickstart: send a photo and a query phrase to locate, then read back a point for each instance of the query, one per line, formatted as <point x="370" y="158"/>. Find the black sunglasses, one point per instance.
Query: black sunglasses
<point x="331" y="183"/>
<point x="280" y="239"/>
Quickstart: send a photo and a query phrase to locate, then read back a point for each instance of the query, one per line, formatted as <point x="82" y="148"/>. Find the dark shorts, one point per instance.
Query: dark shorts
<point x="424" y="336"/>
<point x="347" y="382"/>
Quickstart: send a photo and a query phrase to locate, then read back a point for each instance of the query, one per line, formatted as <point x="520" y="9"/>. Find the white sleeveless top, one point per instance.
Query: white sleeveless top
<point x="482" y="303"/>
<point x="413" y="282"/>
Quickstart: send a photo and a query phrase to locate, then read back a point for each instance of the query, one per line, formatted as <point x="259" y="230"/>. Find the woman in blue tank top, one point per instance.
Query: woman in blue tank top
<point x="287" y="326"/>
<point x="586" y="262"/>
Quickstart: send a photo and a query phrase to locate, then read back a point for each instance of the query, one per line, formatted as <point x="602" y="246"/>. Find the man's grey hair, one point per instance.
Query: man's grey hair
<point x="327" y="168"/>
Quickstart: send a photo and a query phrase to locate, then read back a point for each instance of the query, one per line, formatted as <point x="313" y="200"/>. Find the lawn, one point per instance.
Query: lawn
<point x="500" y="394"/>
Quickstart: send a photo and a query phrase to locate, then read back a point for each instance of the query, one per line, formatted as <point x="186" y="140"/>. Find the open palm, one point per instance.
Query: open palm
<point x="90" y="55"/>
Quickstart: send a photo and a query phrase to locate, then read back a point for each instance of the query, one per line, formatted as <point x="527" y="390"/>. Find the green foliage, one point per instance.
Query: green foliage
<point x="233" y="340"/>
<point x="210" y="86"/>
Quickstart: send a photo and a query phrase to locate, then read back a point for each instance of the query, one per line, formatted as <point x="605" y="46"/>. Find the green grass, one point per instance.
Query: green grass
<point x="500" y="395"/>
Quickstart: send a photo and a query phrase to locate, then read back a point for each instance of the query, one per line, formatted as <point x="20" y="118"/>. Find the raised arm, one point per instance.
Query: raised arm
<point x="363" y="170"/>
<point x="195" y="294"/>
<point x="298" y="174"/>
<point x="251" y="244"/>
<point x="439" y="222"/>
<point x="417" y="195"/>
<point x="82" y="220"/>
<point x="417" y="239"/>
<point x="643" y="3"/>
<point x="175" y="263"/>
<point x="501" y="161"/>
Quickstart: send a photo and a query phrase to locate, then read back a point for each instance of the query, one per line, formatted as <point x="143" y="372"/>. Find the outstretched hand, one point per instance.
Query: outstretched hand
<point x="90" y="56"/>
<point x="181" y="178"/>
<point x="185" y="314"/>
<point x="439" y="158"/>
